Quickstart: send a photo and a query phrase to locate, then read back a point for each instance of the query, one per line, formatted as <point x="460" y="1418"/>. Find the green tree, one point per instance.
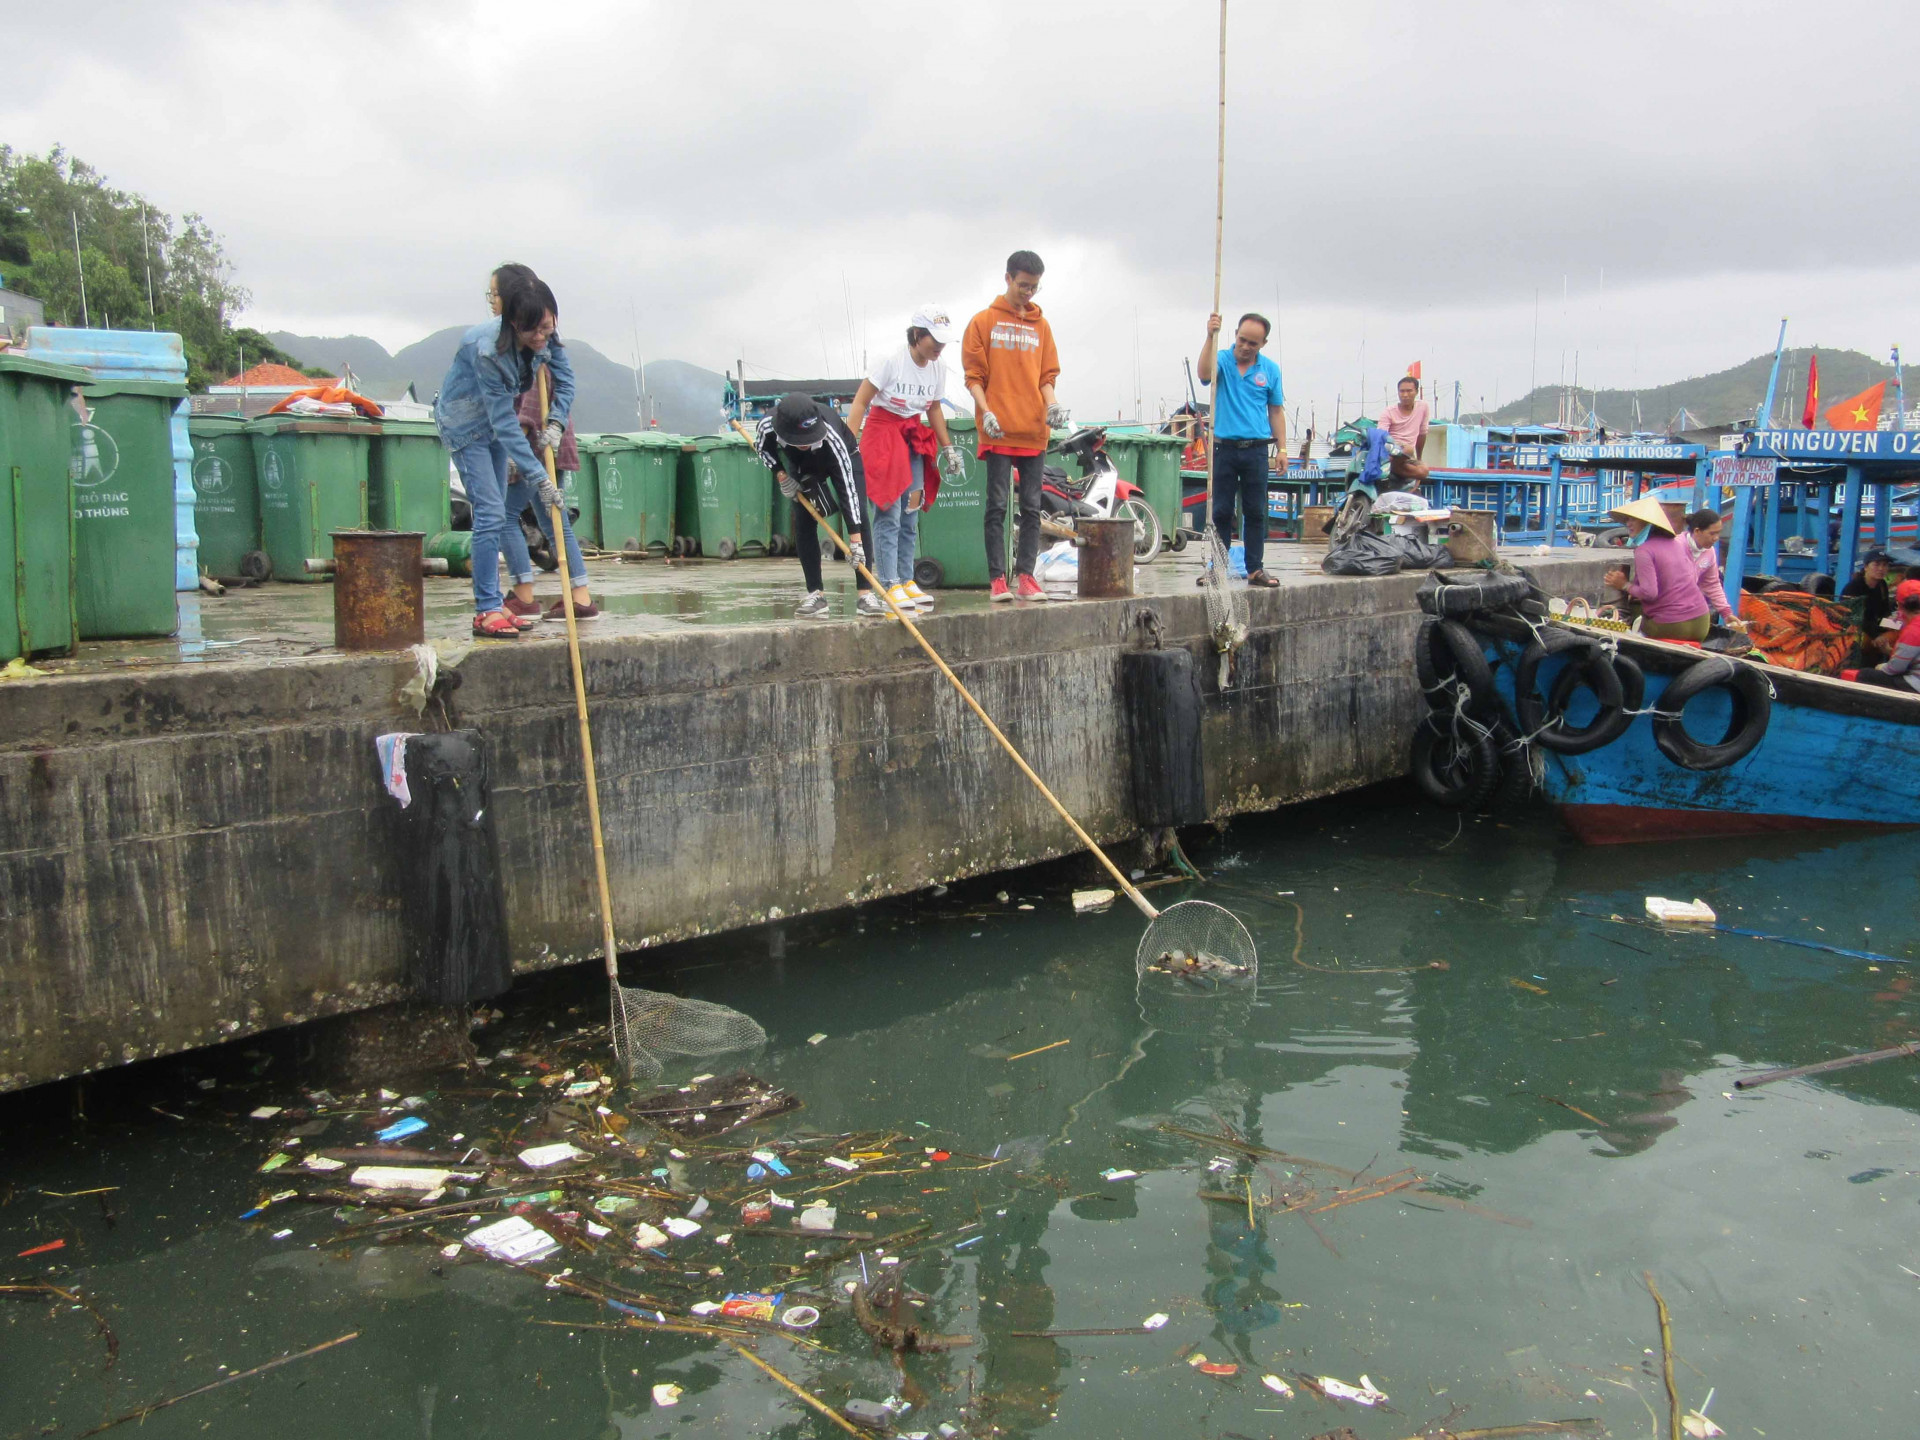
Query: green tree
<point x="141" y="267"/>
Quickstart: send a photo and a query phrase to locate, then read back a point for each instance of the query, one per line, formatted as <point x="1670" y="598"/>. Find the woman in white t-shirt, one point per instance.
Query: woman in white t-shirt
<point x="898" y="417"/>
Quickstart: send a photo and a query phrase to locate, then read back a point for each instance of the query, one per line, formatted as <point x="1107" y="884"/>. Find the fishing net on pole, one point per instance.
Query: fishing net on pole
<point x="1227" y="613"/>
<point x="649" y="1024"/>
<point x="1196" y="969"/>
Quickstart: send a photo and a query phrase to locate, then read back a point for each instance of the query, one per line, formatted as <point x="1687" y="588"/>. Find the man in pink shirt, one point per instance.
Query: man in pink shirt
<point x="1407" y="424"/>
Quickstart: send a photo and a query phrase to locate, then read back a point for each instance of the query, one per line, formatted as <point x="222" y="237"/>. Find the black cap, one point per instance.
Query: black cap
<point x="1873" y="555"/>
<point x="797" y="420"/>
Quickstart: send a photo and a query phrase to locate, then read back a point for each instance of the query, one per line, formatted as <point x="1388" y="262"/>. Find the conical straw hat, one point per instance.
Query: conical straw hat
<point x="1645" y="508"/>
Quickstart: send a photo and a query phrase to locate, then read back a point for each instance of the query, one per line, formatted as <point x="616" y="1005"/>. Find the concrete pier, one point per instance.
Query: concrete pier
<point x="194" y="852"/>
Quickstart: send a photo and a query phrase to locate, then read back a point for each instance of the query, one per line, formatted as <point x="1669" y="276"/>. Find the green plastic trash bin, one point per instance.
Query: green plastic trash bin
<point x="123" y="509"/>
<point x="1158" y="473"/>
<point x="226" y="500"/>
<point x="953" y="549"/>
<point x="725" y="498"/>
<point x="36" y="512"/>
<point x="635" y="474"/>
<point x="312" y="474"/>
<point x="582" y="489"/>
<point x="408" y="478"/>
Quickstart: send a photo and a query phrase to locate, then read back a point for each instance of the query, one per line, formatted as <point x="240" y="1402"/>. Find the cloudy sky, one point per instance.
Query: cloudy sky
<point x="1658" y="183"/>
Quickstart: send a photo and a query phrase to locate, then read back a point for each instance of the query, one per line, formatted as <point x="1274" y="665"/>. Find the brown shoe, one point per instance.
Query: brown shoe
<point x="525" y="613"/>
<point x="558" y="611"/>
<point x="1261" y="580"/>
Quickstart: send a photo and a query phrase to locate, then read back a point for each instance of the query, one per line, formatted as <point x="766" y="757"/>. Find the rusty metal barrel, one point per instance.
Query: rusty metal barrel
<point x="1106" y="557"/>
<point x="379" y="602"/>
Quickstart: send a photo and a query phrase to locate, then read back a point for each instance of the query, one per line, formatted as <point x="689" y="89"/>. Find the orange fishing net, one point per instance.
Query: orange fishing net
<point x="1798" y="631"/>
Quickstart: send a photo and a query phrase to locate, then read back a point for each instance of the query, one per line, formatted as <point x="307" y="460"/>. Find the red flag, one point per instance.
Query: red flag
<point x="1862" y="412"/>
<point x="1813" y="392"/>
<point x="1414" y="369"/>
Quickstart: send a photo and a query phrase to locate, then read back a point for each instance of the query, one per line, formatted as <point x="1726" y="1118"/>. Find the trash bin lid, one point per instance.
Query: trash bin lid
<point x="158" y="389"/>
<point x="216" y="424"/>
<point x="422" y="428"/>
<point x="19" y="364"/>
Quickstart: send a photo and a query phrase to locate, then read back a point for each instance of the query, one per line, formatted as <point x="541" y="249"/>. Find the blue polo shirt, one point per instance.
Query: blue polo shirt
<point x="1241" y="401"/>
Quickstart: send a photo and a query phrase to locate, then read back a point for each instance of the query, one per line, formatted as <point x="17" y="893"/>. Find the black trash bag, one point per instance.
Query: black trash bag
<point x="449" y="865"/>
<point x="1370" y="554"/>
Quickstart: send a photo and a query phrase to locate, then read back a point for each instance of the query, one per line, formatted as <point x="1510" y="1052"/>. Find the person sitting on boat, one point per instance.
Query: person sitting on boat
<point x="1902" y="670"/>
<point x="1703" y="544"/>
<point x="1872" y="599"/>
<point x="811" y="452"/>
<point x="1407" y="424"/>
<point x="1664" y="579"/>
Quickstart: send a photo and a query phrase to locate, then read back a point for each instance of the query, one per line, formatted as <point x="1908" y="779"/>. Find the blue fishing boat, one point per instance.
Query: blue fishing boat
<point x="1632" y="739"/>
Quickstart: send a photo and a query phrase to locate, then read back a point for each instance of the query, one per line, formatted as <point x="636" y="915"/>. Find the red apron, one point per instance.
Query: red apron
<point x="888" y="443"/>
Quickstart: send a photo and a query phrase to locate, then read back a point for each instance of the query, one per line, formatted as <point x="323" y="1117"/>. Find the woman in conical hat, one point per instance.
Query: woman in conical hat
<point x="1664" y="578"/>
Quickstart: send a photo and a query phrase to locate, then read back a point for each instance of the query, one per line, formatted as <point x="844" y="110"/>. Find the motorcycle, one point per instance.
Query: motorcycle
<point x="1367" y="467"/>
<point x="1098" y="490"/>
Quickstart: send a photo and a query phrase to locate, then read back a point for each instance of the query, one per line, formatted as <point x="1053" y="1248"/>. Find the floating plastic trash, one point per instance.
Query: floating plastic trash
<point x="1679" y="912"/>
<point x="400" y="1129"/>
<point x="515" y="1240"/>
<point x="541" y="1156"/>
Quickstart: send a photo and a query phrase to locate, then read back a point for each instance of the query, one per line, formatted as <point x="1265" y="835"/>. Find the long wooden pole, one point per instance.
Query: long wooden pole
<point x="1119" y="876"/>
<point x="1219" y="236"/>
<point x="586" y="733"/>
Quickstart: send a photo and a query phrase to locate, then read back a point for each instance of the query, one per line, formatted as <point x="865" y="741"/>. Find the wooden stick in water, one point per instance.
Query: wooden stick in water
<point x="1845" y="1062"/>
<point x="146" y="1410"/>
<point x="1666" y="1357"/>
<point x="811" y="1399"/>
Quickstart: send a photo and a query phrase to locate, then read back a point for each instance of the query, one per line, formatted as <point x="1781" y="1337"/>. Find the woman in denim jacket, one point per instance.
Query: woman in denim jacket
<point x="477" y="413"/>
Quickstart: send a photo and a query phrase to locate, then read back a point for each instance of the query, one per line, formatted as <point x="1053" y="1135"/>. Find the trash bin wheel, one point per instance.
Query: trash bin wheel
<point x="726" y="549"/>
<point x="632" y="546"/>
<point x="1179" y="540"/>
<point x="929" y="574"/>
<point x="257" y="566"/>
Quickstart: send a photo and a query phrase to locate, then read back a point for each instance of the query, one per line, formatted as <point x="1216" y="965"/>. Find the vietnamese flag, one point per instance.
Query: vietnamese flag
<point x="1862" y="412"/>
<point x="1414" y="370"/>
<point x="1813" y="393"/>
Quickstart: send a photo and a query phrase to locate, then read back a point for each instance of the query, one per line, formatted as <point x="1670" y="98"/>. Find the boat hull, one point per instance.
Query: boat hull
<point x="1834" y="755"/>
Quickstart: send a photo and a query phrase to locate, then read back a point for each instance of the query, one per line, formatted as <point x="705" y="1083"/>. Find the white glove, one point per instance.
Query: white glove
<point x="952" y="464"/>
<point x="990" y="425"/>
<point x="549" y="494"/>
<point x="857" y="553"/>
<point x="789" y="486"/>
<point x="1057" y="416"/>
<point x="551" y="436"/>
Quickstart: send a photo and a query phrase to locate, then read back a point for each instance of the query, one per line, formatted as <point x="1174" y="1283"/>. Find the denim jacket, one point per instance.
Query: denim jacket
<point x="479" y="400"/>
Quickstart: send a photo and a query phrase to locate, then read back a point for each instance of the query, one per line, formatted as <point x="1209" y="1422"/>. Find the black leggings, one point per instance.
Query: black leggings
<point x="806" y="544"/>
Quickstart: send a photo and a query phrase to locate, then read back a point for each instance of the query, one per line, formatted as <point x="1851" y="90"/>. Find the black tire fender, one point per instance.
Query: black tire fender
<point x="1454" y="594"/>
<point x="1752" y="709"/>
<point x="1540" y="718"/>
<point x="1454" y="764"/>
<point x="1633" y="693"/>
<point x="1447" y="656"/>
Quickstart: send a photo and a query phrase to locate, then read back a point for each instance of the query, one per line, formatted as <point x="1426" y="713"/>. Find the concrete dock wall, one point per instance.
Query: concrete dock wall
<point x="199" y="852"/>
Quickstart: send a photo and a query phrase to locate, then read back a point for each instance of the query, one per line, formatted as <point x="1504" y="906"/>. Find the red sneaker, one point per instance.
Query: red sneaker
<point x="496" y="625"/>
<point x="1029" y="589"/>
<point x="525" y="613"/>
<point x="998" y="590"/>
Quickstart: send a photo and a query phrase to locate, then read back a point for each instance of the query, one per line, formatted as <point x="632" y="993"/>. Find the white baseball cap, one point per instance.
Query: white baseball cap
<point x="936" y="321"/>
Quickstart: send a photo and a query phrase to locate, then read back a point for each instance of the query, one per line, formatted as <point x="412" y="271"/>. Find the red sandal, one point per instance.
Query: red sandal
<point x="495" y="625"/>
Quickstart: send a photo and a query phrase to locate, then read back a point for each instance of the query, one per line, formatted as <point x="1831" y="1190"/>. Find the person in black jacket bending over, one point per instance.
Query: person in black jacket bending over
<point x="812" y="452"/>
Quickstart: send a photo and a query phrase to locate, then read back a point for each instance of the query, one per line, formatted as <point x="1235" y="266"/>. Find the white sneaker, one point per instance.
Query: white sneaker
<point x="898" y="594"/>
<point x="921" y="599"/>
<point x="814" y="607"/>
<point x="869" y="605"/>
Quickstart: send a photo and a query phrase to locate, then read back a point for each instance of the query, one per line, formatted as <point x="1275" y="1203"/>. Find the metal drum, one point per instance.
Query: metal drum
<point x="1106" y="558"/>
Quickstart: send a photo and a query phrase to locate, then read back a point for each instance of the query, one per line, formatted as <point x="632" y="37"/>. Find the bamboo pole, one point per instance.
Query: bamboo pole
<point x="1219" y="236"/>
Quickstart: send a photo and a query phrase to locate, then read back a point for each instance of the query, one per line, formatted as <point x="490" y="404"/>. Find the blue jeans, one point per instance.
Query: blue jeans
<point x="1240" y="473"/>
<point x="896" y="534"/>
<point x="496" y="524"/>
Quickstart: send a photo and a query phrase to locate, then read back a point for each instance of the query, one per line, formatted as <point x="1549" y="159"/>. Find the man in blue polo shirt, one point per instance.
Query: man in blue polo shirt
<point x="1249" y="414"/>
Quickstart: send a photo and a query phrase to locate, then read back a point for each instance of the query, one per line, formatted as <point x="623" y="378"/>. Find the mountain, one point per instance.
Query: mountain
<point x="686" y="398"/>
<point x="1716" y="399"/>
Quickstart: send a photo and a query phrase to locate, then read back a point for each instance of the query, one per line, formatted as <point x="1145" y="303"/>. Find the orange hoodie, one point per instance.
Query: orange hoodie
<point x="1011" y="356"/>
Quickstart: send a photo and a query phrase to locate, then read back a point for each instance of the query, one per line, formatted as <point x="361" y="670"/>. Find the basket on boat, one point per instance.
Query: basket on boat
<point x="1585" y="614"/>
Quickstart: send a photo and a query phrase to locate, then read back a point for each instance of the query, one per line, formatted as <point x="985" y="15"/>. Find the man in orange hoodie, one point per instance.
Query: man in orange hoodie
<point x="1011" y="366"/>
